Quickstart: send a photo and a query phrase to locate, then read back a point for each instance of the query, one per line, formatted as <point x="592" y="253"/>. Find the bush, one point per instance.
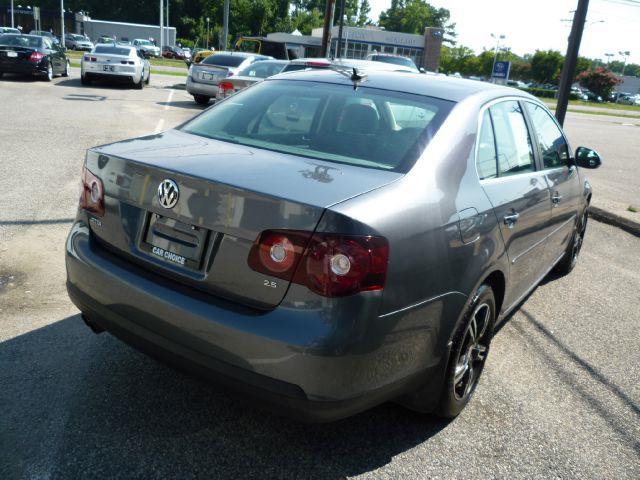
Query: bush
<point x="185" y="42"/>
<point x="547" y="93"/>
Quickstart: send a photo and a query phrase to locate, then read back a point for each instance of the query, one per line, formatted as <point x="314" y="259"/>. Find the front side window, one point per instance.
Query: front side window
<point x="513" y="144"/>
<point x="327" y="121"/>
<point x="553" y="146"/>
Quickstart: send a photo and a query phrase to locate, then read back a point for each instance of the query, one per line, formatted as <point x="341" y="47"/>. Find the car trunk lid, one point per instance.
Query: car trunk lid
<point x="228" y="195"/>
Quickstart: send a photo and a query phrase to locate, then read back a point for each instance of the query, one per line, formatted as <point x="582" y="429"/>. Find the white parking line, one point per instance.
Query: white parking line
<point x="167" y="104"/>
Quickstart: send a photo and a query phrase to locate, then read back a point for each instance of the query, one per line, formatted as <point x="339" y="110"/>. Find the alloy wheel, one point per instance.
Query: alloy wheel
<point x="472" y="353"/>
<point x="49" y="73"/>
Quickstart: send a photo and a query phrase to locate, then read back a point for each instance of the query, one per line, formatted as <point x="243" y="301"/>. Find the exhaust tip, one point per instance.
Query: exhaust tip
<point x="95" y="328"/>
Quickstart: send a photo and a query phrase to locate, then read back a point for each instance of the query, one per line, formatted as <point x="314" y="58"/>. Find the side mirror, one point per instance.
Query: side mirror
<point x="587" y="158"/>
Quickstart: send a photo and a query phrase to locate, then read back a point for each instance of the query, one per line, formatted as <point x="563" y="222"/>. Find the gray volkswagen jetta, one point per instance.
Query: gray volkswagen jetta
<point x="325" y="241"/>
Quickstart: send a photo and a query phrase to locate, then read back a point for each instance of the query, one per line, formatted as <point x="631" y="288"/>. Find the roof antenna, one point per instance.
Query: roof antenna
<point x="356" y="78"/>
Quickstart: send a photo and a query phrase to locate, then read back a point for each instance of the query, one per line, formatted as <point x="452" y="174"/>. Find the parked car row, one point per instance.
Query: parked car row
<point x="224" y="73"/>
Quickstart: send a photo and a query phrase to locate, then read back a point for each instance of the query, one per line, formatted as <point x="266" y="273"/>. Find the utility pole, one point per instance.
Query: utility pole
<point x="12" y="22"/>
<point x="326" y="29"/>
<point x="225" y="24"/>
<point x="62" y="23"/>
<point x="339" y="47"/>
<point x="571" y="59"/>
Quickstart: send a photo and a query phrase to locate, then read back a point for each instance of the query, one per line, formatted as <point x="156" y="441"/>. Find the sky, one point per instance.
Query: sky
<point x="537" y="25"/>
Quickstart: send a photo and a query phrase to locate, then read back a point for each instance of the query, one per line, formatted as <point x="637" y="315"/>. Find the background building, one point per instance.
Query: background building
<point x="358" y="42"/>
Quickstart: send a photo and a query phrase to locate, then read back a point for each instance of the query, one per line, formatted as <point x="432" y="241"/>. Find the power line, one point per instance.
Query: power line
<point x="628" y="3"/>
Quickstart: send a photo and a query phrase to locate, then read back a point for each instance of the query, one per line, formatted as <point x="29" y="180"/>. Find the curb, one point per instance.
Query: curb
<point x="616" y="220"/>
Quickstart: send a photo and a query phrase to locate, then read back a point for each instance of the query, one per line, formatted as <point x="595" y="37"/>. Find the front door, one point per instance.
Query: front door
<point x="518" y="193"/>
<point x="562" y="178"/>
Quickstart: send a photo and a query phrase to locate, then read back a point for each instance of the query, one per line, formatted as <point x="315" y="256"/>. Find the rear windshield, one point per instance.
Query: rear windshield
<point x="28" y="41"/>
<point x="224" y="60"/>
<point x="108" y="50"/>
<point x="261" y="69"/>
<point x="367" y="127"/>
<point x="394" y="60"/>
<point x="293" y="67"/>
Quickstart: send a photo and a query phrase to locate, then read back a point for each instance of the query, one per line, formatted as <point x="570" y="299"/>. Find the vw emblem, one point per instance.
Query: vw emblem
<point x="168" y="193"/>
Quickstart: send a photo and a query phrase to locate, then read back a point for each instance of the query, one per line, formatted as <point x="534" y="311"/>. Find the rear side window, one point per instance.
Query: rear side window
<point x="486" y="161"/>
<point x="107" y="50"/>
<point x="513" y="144"/>
<point x="224" y="60"/>
<point x="553" y="146"/>
<point x="261" y="70"/>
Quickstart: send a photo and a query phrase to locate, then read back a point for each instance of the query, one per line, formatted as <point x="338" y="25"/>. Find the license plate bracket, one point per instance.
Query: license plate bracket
<point x="174" y="242"/>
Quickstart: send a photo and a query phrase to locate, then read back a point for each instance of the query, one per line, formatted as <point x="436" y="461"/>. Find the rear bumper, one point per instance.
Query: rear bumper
<point x="197" y="88"/>
<point x="296" y="362"/>
<point x="24" y="68"/>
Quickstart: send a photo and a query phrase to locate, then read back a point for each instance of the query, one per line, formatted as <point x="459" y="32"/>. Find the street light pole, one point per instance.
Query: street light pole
<point x="571" y="59"/>
<point x="207" y="33"/>
<point x="161" y="23"/>
<point x="62" y="23"/>
<point x="12" y="22"/>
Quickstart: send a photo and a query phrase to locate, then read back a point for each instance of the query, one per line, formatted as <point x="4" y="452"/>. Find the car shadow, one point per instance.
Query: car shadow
<point x="100" y="84"/>
<point x="20" y="78"/>
<point x="187" y="104"/>
<point x="75" y="402"/>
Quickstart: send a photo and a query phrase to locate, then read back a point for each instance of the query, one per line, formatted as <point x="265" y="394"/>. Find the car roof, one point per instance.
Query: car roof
<point x="239" y="54"/>
<point x="24" y="35"/>
<point x="439" y="86"/>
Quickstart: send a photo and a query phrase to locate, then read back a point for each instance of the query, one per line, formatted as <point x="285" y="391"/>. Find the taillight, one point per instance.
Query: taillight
<point x="36" y="57"/>
<point x="127" y="62"/>
<point x="92" y="194"/>
<point x="93" y="59"/>
<point x="226" y="87"/>
<point x="328" y="264"/>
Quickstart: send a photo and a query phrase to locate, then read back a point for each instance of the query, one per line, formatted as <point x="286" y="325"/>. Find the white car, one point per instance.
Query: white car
<point x="147" y="48"/>
<point x="115" y="62"/>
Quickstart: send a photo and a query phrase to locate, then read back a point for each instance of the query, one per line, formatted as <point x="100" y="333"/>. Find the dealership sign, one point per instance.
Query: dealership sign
<point x="501" y="70"/>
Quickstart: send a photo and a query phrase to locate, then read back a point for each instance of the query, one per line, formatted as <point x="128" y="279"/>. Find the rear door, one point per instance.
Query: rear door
<point x="562" y="178"/>
<point x="517" y="191"/>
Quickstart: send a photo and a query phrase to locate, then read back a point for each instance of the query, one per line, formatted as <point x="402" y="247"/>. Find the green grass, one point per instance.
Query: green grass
<point x="611" y="106"/>
<point x="600" y="112"/>
<point x="633" y="209"/>
<point x="155" y="62"/>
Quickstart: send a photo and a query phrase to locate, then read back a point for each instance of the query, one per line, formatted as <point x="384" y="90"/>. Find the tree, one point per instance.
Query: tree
<point x="363" y="14"/>
<point x="546" y="65"/>
<point x="599" y="80"/>
<point x="412" y="16"/>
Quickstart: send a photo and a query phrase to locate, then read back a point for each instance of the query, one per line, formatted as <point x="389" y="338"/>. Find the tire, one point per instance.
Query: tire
<point x="469" y="352"/>
<point x="66" y="69"/>
<point x="201" y="99"/>
<point x="148" y="80"/>
<point x="49" y="75"/>
<point x="570" y="258"/>
<point x="138" y="85"/>
<point x="84" y="80"/>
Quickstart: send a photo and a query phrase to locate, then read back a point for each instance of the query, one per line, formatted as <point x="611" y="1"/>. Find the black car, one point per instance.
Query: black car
<point x="32" y="55"/>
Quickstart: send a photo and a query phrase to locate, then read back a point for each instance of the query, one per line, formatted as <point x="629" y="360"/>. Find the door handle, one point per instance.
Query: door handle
<point x="556" y="199"/>
<point x="511" y="219"/>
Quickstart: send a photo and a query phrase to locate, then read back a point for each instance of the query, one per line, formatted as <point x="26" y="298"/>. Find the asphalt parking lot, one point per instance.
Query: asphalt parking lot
<point x="560" y="396"/>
